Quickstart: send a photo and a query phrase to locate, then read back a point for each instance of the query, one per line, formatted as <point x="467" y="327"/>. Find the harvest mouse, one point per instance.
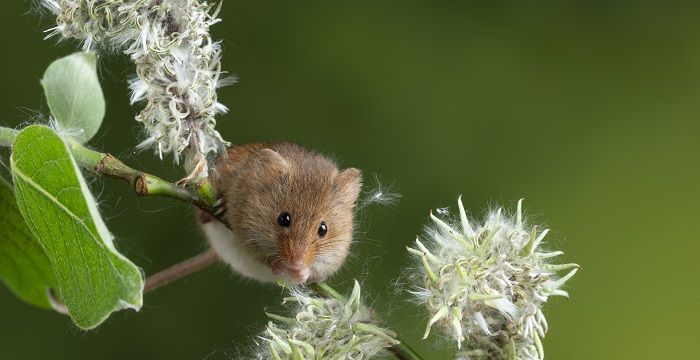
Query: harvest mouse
<point x="290" y="211"/>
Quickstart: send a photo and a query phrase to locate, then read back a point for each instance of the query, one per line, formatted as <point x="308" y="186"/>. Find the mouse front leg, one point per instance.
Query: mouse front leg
<point x="217" y="213"/>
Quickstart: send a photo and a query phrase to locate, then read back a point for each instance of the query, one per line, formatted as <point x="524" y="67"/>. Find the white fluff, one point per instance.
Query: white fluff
<point x="178" y="65"/>
<point x="492" y="278"/>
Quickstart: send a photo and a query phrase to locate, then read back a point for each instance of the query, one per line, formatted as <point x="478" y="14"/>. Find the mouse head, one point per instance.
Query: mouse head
<point x="300" y="212"/>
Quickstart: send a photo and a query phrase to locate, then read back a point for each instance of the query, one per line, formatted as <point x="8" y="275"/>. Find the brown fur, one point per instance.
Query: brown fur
<point x="260" y="181"/>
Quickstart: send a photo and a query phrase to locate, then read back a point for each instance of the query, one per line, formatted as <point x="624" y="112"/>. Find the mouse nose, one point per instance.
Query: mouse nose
<point x="299" y="276"/>
<point x="298" y="271"/>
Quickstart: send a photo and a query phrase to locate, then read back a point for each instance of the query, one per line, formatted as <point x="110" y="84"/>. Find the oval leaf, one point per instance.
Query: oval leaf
<point x="23" y="265"/>
<point x="93" y="279"/>
<point x="74" y="94"/>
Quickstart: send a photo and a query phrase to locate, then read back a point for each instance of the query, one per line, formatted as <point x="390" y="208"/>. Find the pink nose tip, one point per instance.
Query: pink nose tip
<point x="297" y="270"/>
<point x="294" y="270"/>
<point x="299" y="275"/>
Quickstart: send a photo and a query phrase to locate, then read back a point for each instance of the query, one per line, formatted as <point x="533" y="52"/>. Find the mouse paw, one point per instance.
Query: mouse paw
<point x="219" y="207"/>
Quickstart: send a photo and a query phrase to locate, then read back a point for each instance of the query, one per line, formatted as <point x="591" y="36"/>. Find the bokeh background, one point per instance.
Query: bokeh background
<point x="587" y="109"/>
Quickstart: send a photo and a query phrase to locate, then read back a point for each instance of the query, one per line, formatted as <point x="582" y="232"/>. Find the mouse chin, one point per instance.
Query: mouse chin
<point x="296" y="274"/>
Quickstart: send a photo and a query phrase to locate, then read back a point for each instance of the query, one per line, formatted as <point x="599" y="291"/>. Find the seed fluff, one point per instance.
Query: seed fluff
<point x="178" y="68"/>
<point x="324" y="329"/>
<point x="485" y="283"/>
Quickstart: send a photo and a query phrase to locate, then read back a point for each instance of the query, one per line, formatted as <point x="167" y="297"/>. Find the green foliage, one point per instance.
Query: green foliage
<point x="74" y="94"/>
<point x="93" y="279"/>
<point x="23" y="265"/>
<point x="62" y="242"/>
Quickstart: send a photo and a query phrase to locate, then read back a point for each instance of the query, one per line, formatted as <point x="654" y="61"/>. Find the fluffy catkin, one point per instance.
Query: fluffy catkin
<point x="324" y="329"/>
<point x="178" y="67"/>
<point x="486" y="282"/>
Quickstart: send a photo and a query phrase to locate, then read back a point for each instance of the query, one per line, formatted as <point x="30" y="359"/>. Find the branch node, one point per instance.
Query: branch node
<point x="141" y="185"/>
<point x="100" y="167"/>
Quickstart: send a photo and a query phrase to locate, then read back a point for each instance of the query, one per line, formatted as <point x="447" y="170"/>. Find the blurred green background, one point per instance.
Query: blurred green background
<point x="587" y="109"/>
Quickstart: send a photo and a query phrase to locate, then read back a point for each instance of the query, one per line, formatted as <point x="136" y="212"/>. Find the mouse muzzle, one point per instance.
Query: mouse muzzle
<point x="295" y="270"/>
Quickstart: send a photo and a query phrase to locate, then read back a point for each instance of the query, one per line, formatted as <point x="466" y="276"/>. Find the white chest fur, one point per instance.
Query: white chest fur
<point x="232" y="252"/>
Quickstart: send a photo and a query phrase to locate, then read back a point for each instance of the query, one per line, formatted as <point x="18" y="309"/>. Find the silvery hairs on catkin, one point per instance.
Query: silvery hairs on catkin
<point x="323" y="329"/>
<point x="485" y="282"/>
<point x="178" y="68"/>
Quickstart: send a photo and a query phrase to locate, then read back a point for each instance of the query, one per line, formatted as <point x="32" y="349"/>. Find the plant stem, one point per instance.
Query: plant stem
<point x="180" y="270"/>
<point x="401" y="350"/>
<point x="142" y="183"/>
<point x="327" y="290"/>
<point x="404" y="352"/>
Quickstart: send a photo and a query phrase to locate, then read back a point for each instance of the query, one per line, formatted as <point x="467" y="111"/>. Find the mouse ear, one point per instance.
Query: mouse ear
<point x="274" y="160"/>
<point x="348" y="185"/>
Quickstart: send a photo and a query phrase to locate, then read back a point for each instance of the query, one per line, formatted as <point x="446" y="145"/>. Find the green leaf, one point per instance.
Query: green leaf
<point x="74" y="94"/>
<point x="23" y="265"/>
<point x="94" y="279"/>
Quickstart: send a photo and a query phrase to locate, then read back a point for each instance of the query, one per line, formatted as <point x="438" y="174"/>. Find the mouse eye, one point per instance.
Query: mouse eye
<point x="323" y="229"/>
<point x="284" y="219"/>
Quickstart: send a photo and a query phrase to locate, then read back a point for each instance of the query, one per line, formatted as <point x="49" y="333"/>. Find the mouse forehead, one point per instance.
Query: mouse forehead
<point x="308" y="189"/>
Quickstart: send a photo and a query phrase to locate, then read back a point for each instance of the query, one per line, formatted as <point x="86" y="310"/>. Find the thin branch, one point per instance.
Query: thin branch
<point x="142" y="183"/>
<point x="155" y="281"/>
<point x="401" y="350"/>
<point x="180" y="270"/>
